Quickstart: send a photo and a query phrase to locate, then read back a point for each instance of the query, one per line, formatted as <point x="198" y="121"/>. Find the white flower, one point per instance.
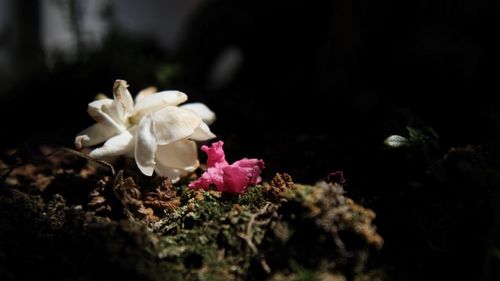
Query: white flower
<point x="153" y="129"/>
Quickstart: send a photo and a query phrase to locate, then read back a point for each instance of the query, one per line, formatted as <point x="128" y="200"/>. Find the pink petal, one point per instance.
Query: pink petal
<point x="253" y="168"/>
<point x="213" y="176"/>
<point x="235" y="179"/>
<point x="249" y="163"/>
<point x="215" y="154"/>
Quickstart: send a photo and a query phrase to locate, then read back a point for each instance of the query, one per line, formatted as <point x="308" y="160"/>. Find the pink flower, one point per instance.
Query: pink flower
<point x="234" y="178"/>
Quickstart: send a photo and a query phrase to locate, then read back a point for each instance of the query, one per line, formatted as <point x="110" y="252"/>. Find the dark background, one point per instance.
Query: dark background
<point x="336" y="73"/>
<point x="311" y="87"/>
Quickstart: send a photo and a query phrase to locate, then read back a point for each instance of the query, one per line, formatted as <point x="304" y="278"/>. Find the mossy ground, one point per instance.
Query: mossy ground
<point x="63" y="218"/>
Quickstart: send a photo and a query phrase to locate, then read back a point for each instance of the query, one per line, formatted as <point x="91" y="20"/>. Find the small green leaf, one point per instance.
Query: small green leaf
<point x="396" y="141"/>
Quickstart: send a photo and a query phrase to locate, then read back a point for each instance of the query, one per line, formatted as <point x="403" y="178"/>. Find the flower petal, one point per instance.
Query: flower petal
<point x="117" y="145"/>
<point x="236" y="179"/>
<point x="145" y="146"/>
<point x="172" y="124"/>
<point x="207" y="115"/>
<point x="181" y="155"/>
<point x="253" y="168"/>
<point x="94" y="134"/>
<point x="107" y="112"/>
<point x="173" y="174"/>
<point x="95" y="108"/>
<point x="159" y="100"/>
<point x="202" y="133"/>
<point x="215" y="154"/>
<point x="123" y="96"/>
<point x="145" y="93"/>
<point x="213" y="176"/>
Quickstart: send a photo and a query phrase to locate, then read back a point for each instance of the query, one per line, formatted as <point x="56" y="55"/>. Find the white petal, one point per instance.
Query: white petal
<point x="145" y="146"/>
<point x="94" y="134"/>
<point x="173" y="123"/>
<point x="159" y="100"/>
<point x="207" y="115"/>
<point x="145" y="93"/>
<point x="182" y="155"/>
<point x="101" y="96"/>
<point x="202" y="133"/>
<point x="172" y="173"/>
<point x="107" y="112"/>
<point x="117" y="145"/>
<point x="95" y="108"/>
<point x="123" y="96"/>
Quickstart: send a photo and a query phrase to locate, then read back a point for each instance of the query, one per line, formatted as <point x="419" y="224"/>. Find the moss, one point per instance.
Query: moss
<point x="131" y="229"/>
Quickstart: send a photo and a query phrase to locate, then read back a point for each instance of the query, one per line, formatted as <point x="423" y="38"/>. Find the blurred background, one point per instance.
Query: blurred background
<point x="321" y="82"/>
<point x="311" y="87"/>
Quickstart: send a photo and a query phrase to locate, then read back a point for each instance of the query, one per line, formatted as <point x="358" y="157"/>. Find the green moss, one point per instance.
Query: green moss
<point x="273" y="230"/>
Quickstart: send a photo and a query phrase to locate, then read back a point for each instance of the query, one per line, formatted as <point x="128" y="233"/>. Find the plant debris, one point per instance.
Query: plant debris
<point x="80" y="223"/>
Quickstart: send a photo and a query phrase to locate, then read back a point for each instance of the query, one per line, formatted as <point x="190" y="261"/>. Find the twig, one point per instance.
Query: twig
<point x="248" y="237"/>
<point x="6" y="171"/>
<point x="83" y="155"/>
